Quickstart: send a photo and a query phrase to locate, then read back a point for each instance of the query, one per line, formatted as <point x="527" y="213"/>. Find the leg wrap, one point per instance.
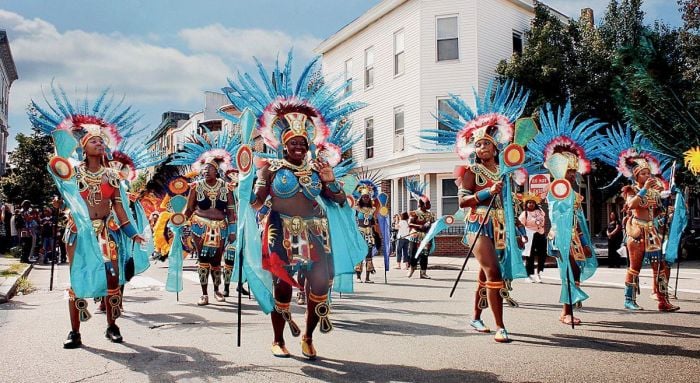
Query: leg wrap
<point x="483" y="302"/>
<point x="635" y="278"/>
<point x="370" y="265"/>
<point x="216" y="277"/>
<point x="663" y="283"/>
<point x="502" y="290"/>
<point x="114" y="299"/>
<point x="322" y="310"/>
<point x="630" y="292"/>
<point x="203" y="271"/>
<point x="81" y="305"/>
<point x="228" y="271"/>
<point x="508" y="288"/>
<point x="283" y="309"/>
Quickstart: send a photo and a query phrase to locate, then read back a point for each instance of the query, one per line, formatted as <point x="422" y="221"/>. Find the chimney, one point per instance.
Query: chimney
<point x="587" y="17"/>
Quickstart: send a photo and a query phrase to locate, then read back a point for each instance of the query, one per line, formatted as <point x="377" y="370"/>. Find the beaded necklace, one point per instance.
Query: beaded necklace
<point x="91" y="182"/>
<point x="217" y="191"/>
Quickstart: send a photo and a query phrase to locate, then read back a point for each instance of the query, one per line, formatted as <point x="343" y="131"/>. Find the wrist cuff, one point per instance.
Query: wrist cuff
<point x="129" y="230"/>
<point x="333" y="187"/>
<point x="483" y="195"/>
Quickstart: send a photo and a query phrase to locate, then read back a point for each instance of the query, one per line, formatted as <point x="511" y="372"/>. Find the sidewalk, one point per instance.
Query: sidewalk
<point x="11" y="270"/>
<point x="688" y="278"/>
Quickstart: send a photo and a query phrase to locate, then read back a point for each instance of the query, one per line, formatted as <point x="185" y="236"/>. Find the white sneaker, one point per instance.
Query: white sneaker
<point x="530" y="279"/>
<point x="538" y="279"/>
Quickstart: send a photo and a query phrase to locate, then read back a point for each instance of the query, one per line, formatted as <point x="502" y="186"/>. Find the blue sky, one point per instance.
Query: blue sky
<point x="162" y="54"/>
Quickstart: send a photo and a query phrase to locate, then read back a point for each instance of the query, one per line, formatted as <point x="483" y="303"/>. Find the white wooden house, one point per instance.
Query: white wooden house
<point x="405" y="57"/>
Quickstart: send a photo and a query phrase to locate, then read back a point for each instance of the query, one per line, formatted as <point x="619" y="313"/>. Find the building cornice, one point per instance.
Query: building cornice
<point x="386" y="6"/>
<point x="360" y="23"/>
<point x="6" y="57"/>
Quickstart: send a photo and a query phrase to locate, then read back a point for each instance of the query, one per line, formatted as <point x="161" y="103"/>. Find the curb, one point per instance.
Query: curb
<point x="8" y="289"/>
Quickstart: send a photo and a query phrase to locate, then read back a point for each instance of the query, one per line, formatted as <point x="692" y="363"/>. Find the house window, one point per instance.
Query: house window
<point x="399" y="55"/>
<point x="398" y="129"/>
<point x="447" y="38"/>
<point x="517" y="43"/>
<point x="448" y="199"/>
<point x="348" y="76"/>
<point x="369" y="67"/>
<point x="369" y="138"/>
<point x="444" y="108"/>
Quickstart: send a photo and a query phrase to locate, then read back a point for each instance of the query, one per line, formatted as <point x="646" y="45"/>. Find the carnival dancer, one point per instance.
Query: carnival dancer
<point x="309" y="228"/>
<point x="631" y="154"/>
<point x="128" y="160"/>
<point x="565" y="148"/>
<point x="210" y="204"/>
<point x="92" y="192"/>
<point x="491" y="144"/>
<point x="367" y="215"/>
<point x="419" y="222"/>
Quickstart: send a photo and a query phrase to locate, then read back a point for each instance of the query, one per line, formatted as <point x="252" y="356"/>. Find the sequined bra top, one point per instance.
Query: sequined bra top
<point x="289" y="179"/>
<point x="208" y="196"/>
<point x="483" y="179"/>
<point x="95" y="187"/>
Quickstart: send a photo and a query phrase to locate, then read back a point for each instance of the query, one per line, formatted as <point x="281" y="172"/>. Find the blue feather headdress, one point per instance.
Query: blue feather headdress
<point x="492" y="119"/>
<point x="561" y="133"/>
<point x="129" y="157"/>
<point x="213" y="148"/>
<point x="368" y="184"/>
<point x="103" y="118"/>
<point x="417" y="189"/>
<point x="629" y="152"/>
<point x="311" y="108"/>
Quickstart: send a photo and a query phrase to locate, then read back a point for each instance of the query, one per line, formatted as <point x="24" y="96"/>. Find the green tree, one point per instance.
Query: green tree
<point x="29" y="179"/>
<point x="542" y="67"/>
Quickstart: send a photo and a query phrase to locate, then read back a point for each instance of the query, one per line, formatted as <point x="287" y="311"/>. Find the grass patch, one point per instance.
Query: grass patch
<point x="25" y="286"/>
<point x="12" y="270"/>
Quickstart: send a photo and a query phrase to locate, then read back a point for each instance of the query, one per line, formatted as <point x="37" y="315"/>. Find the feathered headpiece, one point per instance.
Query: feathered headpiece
<point x="691" y="158"/>
<point x="209" y="148"/>
<point x="368" y="184"/>
<point x="630" y="152"/>
<point x="578" y="142"/>
<point x="527" y="196"/>
<point x="312" y="109"/>
<point x="104" y="119"/>
<point x="493" y="120"/>
<point x="417" y="189"/>
<point x="128" y="158"/>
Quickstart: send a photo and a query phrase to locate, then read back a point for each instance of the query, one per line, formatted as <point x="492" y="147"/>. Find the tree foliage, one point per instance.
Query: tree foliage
<point x="619" y="71"/>
<point x="28" y="178"/>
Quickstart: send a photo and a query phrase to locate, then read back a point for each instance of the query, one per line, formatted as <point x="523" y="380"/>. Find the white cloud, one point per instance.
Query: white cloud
<point x="242" y="44"/>
<point x="153" y="77"/>
<point x="145" y="72"/>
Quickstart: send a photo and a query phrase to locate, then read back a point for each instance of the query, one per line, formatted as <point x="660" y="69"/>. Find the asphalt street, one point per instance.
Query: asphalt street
<point x="408" y="330"/>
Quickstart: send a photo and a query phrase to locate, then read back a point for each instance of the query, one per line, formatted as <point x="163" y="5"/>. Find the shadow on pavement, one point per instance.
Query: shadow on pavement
<point x="332" y="370"/>
<point x="653" y="329"/>
<point x="179" y="321"/>
<point x="396" y="327"/>
<point x="609" y="345"/>
<point x="17" y="305"/>
<point x="169" y="363"/>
